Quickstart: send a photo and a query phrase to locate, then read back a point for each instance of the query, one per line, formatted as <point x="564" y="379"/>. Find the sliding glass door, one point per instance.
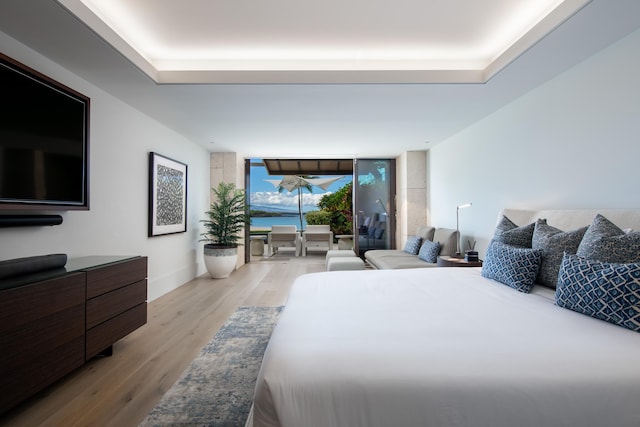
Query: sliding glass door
<point x="374" y="204"/>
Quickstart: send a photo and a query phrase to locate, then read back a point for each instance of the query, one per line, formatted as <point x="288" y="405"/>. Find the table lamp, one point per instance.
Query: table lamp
<point x="466" y="205"/>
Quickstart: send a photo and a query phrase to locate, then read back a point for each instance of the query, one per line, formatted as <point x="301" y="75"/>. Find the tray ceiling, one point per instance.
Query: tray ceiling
<point x="333" y="41"/>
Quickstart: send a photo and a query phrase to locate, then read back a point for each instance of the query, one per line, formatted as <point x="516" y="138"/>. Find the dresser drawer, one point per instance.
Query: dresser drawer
<point x="108" y="278"/>
<point x="18" y="382"/>
<point x="42" y="335"/>
<point x="106" y="306"/>
<point x="33" y="302"/>
<point x="105" y="334"/>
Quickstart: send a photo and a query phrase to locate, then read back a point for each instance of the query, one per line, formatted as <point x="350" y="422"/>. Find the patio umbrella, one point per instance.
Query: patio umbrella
<point x="294" y="182"/>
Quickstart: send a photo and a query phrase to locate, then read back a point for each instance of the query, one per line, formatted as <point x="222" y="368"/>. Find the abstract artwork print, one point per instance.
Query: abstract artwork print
<point x="167" y="195"/>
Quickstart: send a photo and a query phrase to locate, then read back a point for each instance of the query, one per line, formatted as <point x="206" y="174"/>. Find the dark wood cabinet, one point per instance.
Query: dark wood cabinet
<point x="53" y="325"/>
<point x="41" y="335"/>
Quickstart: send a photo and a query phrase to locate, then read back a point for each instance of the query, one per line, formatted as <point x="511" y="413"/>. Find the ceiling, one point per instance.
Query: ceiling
<point x="301" y="79"/>
<point x="332" y="41"/>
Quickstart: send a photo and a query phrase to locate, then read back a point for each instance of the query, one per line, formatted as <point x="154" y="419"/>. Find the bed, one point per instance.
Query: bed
<point x="446" y="347"/>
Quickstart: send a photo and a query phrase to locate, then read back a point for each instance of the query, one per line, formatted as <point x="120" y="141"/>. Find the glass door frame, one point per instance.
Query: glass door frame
<point x="382" y="205"/>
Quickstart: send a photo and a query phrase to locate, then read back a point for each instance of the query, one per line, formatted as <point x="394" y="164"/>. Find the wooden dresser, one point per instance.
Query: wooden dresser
<point x="52" y="322"/>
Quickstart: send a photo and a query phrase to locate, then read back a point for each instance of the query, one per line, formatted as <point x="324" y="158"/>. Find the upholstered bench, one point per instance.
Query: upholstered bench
<point x="345" y="263"/>
<point x="338" y="253"/>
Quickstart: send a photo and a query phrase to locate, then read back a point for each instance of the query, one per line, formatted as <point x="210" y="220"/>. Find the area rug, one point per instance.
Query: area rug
<point x="217" y="387"/>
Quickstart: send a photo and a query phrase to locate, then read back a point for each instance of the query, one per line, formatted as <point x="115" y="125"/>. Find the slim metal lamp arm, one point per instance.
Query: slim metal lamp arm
<point x="466" y="205"/>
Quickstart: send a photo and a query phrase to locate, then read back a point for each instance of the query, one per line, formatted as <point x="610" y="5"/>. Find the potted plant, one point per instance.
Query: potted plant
<point x="226" y="218"/>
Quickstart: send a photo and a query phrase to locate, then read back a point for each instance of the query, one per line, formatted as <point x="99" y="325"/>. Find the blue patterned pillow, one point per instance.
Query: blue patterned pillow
<point x="514" y="266"/>
<point x="604" y="241"/>
<point x="606" y="291"/>
<point x="509" y="233"/>
<point x="429" y="251"/>
<point x="413" y="245"/>
<point x="554" y="243"/>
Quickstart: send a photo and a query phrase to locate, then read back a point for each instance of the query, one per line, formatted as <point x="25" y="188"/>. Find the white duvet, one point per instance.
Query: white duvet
<point x="441" y="347"/>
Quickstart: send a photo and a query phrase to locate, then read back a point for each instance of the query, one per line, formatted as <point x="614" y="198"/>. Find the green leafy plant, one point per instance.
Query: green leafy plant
<point x="339" y="206"/>
<point x="226" y="216"/>
<point x="318" y="217"/>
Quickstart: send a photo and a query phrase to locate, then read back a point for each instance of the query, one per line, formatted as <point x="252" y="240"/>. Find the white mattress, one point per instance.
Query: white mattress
<point x="441" y="347"/>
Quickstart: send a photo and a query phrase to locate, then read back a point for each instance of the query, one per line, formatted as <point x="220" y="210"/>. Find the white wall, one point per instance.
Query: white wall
<point x="120" y="140"/>
<point x="570" y="143"/>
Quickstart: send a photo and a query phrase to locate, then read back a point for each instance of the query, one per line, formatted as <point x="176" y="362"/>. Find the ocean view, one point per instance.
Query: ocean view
<point x="267" y="222"/>
<point x="264" y="196"/>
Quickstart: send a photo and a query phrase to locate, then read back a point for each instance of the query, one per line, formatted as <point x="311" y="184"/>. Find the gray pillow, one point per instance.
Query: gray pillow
<point x="509" y="233"/>
<point x="606" y="242"/>
<point x="554" y="243"/>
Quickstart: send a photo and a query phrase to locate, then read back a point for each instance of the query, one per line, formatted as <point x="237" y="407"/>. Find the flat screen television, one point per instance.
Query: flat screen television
<point x="44" y="142"/>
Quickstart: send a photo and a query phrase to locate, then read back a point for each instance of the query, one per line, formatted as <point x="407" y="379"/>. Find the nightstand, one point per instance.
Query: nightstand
<point x="449" y="261"/>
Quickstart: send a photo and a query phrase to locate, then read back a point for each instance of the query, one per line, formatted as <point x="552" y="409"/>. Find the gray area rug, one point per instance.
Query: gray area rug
<point x="217" y="387"/>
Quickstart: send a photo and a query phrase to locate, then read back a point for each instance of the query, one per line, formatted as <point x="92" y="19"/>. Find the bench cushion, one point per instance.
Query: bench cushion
<point x="345" y="263"/>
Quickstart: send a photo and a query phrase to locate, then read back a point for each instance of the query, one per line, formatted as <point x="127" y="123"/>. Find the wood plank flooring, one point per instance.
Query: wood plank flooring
<point x="120" y="390"/>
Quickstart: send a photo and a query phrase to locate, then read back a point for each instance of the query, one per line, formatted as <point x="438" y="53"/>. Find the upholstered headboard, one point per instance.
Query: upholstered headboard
<point x="575" y="218"/>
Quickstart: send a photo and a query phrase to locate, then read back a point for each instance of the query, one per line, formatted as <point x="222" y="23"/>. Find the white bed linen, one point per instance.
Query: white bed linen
<point x="441" y="347"/>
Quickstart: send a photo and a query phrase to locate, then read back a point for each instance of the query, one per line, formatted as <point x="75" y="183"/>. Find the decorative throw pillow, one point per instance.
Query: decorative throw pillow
<point x="413" y="245"/>
<point x="554" y="243"/>
<point x="606" y="291"/>
<point x="512" y="265"/>
<point x="429" y="251"/>
<point x="379" y="232"/>
<point x="509" y="233"/>
<point x="604" y="241"/>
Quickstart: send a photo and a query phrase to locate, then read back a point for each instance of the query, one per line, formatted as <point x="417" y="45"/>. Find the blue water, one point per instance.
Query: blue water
<point x="267" y="222"/>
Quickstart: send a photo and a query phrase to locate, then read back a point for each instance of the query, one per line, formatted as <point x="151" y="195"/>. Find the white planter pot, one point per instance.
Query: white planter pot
<point x="220" y="261"/>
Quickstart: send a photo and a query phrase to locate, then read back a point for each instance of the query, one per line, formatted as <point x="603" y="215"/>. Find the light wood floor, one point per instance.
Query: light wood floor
<point x="120" y="390"/>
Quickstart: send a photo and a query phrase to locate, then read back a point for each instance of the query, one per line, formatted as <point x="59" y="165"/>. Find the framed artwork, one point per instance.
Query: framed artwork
<point x="167" y="195"/>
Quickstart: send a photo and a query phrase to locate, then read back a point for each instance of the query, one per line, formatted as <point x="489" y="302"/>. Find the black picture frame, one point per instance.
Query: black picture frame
<point x="167" y="195"/>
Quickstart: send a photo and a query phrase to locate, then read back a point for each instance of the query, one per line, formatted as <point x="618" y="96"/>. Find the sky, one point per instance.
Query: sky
<point x="264" y="193"/>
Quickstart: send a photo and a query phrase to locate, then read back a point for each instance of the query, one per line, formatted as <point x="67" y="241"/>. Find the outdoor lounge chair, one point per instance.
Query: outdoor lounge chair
<point x="317" y="236"/>
<point x="283" y="236"/>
